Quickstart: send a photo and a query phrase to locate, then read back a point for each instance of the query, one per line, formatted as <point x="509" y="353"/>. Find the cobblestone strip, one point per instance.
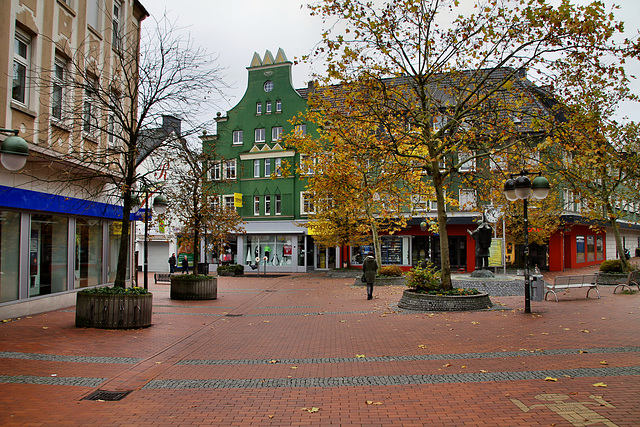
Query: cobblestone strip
<point x="314" y="313"/>
<point x="408" y="358"/>
<point x="29" y="379"/>
<point x="389" y="380"/>
<point x="60" y="358"/>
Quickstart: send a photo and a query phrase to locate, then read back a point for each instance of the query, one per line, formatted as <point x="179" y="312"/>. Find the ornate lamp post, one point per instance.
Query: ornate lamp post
<point x="522" y="188"/>
<point x="14" y="151"/>
<point x="160" y="206"/>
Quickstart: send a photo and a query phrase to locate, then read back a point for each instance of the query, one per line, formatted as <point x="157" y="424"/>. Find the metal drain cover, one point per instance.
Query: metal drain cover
<point x="232" y="315"/>
<point x="108" y="396"/>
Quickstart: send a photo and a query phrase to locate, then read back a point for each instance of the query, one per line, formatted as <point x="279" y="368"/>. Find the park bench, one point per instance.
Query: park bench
<point x="562" y="283"/>
<point x="162" y="277"/>
<point x="633" y="279"/>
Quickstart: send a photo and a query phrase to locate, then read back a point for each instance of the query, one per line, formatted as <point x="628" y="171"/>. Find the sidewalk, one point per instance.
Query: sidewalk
<point x="303" y="349"/>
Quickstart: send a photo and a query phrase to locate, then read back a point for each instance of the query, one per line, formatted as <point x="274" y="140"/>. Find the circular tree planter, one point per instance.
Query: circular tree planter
<point x="113" y="311"/>
<point x="424" y="302"/>
<point x="194" y="288"/>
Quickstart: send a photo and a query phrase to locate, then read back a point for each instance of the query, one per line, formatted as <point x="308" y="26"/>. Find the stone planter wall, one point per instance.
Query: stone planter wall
<point x="113" y="311"/>
<point x="194" y="289"/>
<point x="383" y="281"/>
<point x="610" y="278"/>
<point x="423" y="302"/>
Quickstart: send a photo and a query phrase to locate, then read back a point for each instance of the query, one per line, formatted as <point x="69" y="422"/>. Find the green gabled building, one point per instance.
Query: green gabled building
<point x="248" y="138"/>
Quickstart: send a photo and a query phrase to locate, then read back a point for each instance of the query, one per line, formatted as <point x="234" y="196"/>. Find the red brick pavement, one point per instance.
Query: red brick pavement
<point x="304" y="327"/>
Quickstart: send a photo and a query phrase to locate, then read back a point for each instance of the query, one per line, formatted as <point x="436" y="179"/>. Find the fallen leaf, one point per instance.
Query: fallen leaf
<point x="551" y="379"/>
<point x="45" y="327"/>
<point x="422" y="346"/>
<point x="294" y="367"/>
<point x="483" y="371"/>
<point x="371" y="402"/>
<point x="603" y="362"/>
<point x="311" y="410"/>
<point x="265" y="321"/>
<point x="273" y="361"/>
<point x="360" y="356"/>
<point x="599" y="385"/>
<point x="270" y="416"/>
<point x="475" y="323"/>
<point x="446" y="365"/>
<point x="585" y="331"/>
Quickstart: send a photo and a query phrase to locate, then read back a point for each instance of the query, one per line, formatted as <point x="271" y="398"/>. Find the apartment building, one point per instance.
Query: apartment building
<point x="59" y="229"/>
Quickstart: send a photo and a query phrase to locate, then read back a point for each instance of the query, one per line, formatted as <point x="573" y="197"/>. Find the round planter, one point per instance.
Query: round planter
<point x="424" y="302"/>
<point x="194" y="289"/>
<point x="113" y="311"/>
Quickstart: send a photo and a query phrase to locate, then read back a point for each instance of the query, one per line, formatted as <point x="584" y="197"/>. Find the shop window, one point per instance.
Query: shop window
<point x="600" y="247"/>
<point x="88" y="262"/>
<point x="580" y="249"/>
<point x="48" y="248"/>
<point x="591" y="248"/>
<point x="115" y="232"/>
<point x="272" y="250"/>
<point x="9" y="255"/>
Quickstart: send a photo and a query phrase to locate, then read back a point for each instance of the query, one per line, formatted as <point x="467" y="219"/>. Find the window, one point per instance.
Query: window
<point x="228" y="202"/>
<point x="258" y="107"/>
<point x="268" y="107"/>
<point x="260" y="135"/>
<point x="237" y="137"/>
<point x="268" y="86"/>
<point x="93" y="14"/>
<point x="215" y="203"/>
<point x="21" y="68"/>
<point x="256" y="168"/>
<point x="276" y="133"/>
<point x="465" y="164"/>
<point x="215" y="171"/>
<point x="301" y="130"/>
<point x="307" y="164"/>
<point x="278" y="203"/>
<point x="420" y="204"/>
<point x="58" y="95"/>
<point x="278" y="106"/>
<point x="256" y="205"/>
<point x="306" y="204"/>
<point x="278" y="166"/>
<point x="230" y="169"/>
<point x="117" y="30"/>
<point x="90" y="119"/>
<point x="113" y="129"/>
<point x="467" y="199"/>
<point x="267" y="167"/>
<point x="267" y="205"/>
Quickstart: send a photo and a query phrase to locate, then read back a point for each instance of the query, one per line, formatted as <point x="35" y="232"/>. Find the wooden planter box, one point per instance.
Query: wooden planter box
<point x="424" y="302"/>
<point x="194" y="289"/>
<point x="113" y="311"/>
<point x="230" y="273"/>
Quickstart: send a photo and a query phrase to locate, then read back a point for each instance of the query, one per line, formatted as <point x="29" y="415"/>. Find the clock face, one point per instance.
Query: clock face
<point x="492" y="214"/>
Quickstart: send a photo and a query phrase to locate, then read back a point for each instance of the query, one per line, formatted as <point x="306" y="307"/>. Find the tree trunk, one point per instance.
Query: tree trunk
<point x="445" y="262"/>
<point x="616" y="233"/>
<point x="123" y="252"/>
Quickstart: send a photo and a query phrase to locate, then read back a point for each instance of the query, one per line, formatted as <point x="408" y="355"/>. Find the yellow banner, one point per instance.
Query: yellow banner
<point x="237" y="200"/>
<point x="495" y="253"/>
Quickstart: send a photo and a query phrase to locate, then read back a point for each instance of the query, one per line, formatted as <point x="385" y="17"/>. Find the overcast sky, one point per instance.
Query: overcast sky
<point x="235" y="29"/>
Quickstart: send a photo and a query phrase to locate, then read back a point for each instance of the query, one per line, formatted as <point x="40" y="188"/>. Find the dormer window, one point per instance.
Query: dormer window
<point x="278" y="106"/>
<point x="268" y="107"/>
<point x="258" y="107"/>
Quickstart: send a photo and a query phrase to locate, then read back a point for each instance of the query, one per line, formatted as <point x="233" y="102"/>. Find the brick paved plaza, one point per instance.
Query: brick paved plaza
<point x="308" y="350"/>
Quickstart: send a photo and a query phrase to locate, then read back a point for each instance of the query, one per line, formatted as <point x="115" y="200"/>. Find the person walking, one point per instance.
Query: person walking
<point x="370" y="269"/>
<point x="185" y="265"/>
<point x="172" y="263"/>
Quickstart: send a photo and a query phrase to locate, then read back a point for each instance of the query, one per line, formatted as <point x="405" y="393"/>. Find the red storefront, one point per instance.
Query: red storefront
<point x="576" y="246"/>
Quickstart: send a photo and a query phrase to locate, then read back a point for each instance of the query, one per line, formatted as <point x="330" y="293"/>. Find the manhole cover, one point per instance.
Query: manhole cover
<point x="232" y="315"/>
<point x="108" y="396"/>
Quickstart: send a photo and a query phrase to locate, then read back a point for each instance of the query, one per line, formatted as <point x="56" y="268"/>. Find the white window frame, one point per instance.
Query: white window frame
<point x="278" y="166"/>
<point x="256" y="168"/>
<point x="59" y="92"/>
<point x="89" y="114"/>
<point x="237" y="137"/>
<point x="256" y="205"/>
<point x="25" y="63"/>
<point x="278" y="106"/>
<point x="93" y="14"/>
<point x="468" y="165"/>
<point x="229" y="202"/>
<point x="300" y="130"/>
<point x="267" y="204"/>
<point x="419" y="204"/>
<point x="467" y="199"/>
<point x="267" y="167"/>
<point x="216" y="171"/>
<point x="258" y="108"/>
<point x="230" y="169"/>
<point x="276" y="133"/>
<point x="113" y="128"/>
<point x="306" y="205"/>
<point x="268" y="107"/>
<point x="116" y="22"/>
<point x="307" y="164"/>
<point x="278" y="204"/>
<point x="215" y="202"/>
<point x="260" y="135"/>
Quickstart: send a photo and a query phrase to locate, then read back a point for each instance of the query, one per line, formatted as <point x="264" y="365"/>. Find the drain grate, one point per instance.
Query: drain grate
<point x="108" y="396"/>
<point x="232" y="315"/>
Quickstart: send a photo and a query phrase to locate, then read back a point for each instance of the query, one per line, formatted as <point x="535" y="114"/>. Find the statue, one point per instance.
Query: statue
<point x="482" y="235"/>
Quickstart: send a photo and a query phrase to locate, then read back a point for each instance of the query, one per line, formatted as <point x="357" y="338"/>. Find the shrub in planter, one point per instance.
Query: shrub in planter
<point x="427" y="280"/>
<point x="114" y="308"/>
<point x="612" y="266"/>
<point x="230" y="270"/>
<point x="193" y="287"/>
<point x="390" y="271"/>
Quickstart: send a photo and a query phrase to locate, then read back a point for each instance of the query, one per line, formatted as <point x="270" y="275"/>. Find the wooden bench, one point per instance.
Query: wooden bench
<point x="633" y="279"/>
<point x="570" y="282"/>
<point x="162" y="277"/>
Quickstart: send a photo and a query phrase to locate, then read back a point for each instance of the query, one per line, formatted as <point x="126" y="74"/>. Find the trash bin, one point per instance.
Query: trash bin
<point x="203" y="268"/>
<point x="537" y="287"/>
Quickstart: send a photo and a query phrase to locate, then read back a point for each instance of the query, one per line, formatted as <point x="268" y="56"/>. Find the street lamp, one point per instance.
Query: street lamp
<point x="14" y="151"/>
<point x="522" y="188"/>
<point x="160" y="206"/>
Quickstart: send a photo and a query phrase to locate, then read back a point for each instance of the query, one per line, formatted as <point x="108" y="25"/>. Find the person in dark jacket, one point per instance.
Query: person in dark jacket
<point x="370" y="269"/>
<point x="172" y="263"/>
<point x="185" y="265"/>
